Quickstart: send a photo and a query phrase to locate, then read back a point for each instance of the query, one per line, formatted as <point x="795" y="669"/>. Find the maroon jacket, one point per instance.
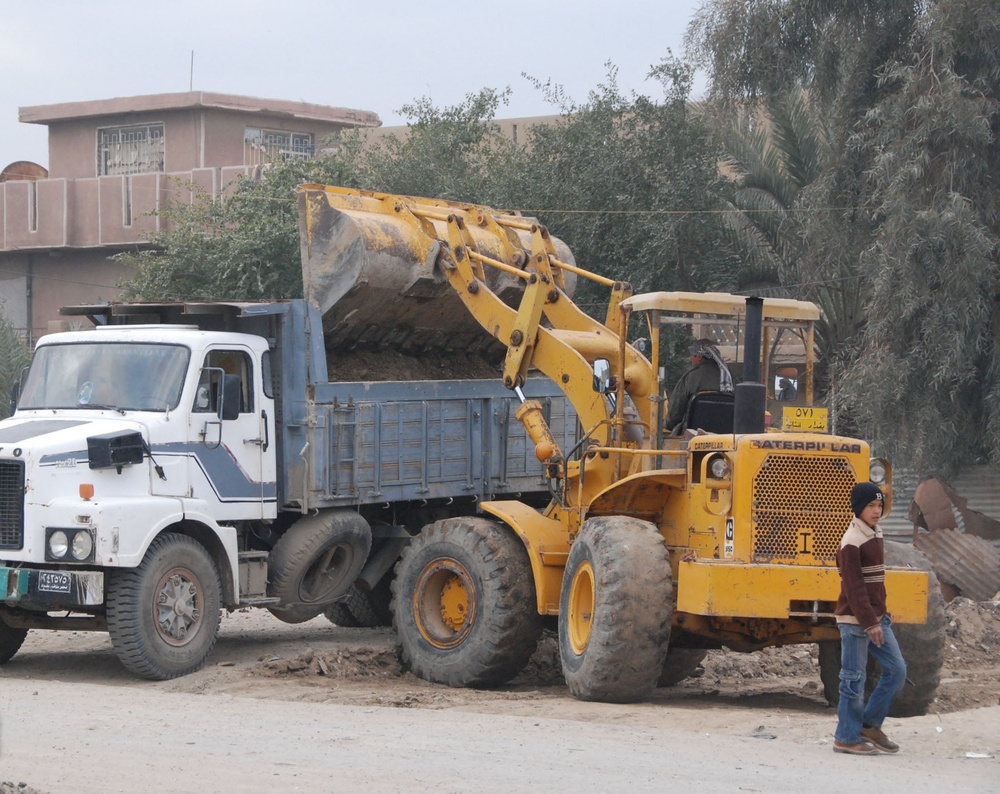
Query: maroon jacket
<point x="861" y="562"/>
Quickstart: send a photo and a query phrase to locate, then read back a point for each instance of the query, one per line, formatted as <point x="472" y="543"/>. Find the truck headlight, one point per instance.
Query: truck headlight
<point x="58" y="544"/>
<point x="876" y="472"/>
<point x="83" y="546"/>
<point x="74" y="545"/>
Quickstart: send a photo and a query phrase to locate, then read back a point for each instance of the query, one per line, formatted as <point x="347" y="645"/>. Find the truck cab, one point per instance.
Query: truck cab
<point x="96" y="403"/>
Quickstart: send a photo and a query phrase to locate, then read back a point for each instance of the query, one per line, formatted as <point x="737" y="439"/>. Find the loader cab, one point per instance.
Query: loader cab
<point x="786" y="365"/>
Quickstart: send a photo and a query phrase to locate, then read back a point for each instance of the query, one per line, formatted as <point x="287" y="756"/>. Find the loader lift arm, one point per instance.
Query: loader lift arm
<point x="460" y="242"/>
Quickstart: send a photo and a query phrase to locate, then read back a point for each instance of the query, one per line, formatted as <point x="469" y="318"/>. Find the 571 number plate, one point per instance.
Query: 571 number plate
<point x="53" y="582"/>
<point x="805" y="419"/>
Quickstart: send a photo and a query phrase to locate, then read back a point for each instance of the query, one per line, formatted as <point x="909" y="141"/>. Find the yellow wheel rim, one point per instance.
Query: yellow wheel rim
<point x="580" y="620"/>
<point x="444" y="603"/>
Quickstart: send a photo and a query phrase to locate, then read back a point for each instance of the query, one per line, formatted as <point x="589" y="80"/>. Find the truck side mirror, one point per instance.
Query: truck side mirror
<point x="15" y="390"/>
<point x="229" y="406"/>
<point x="602" y="375"/>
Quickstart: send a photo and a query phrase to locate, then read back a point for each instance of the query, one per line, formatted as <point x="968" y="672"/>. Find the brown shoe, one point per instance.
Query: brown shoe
<point x="880" y="740"/>
<point x="858" y="748"/>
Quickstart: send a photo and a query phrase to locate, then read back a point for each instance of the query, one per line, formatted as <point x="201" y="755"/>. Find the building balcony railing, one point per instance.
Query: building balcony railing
<point x="99" y="212"/>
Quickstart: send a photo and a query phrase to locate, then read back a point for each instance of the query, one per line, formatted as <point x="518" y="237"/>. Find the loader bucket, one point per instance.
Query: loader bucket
<point x="373" y="267"/>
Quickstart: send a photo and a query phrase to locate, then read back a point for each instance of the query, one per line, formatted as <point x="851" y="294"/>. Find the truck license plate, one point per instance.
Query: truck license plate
<point x="53" y="582"/>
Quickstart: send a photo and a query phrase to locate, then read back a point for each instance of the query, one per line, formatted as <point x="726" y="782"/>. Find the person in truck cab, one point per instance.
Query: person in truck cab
<point x="708" y="373"/>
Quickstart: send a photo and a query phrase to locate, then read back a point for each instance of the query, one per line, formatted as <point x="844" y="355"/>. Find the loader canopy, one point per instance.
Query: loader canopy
<point x="789" y="347"/>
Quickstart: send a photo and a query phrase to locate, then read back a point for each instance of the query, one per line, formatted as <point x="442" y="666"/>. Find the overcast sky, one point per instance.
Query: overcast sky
<point x="375" y="56"/>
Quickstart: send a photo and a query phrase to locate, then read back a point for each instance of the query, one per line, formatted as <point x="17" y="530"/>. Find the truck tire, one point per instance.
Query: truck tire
<point x="163" y="616"/>
<point x="11" y="639"/>
<point x="364" y="608"/>
<point x="339" y="615"/>
<point x="315" y="562"/>
<point x="922" y="645"/>
<point x="615" y="610"/>
<point x="464" y="603"/>
<point x="680" y="663"/>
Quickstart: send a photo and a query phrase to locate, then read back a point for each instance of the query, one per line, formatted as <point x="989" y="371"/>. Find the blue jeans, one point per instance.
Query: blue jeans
<point x="852" y="711"/>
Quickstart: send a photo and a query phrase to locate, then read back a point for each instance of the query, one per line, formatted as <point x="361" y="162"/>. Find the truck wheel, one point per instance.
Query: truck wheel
<point x="163" y="616"/>
<point x="367" y="609"/>
<point x="464" y="603"/>
<point x="615" y="610"/>
<point x="922" y="645"/>
<point x="11" y="639"/>
<point x="339" y="615"/>
<point x="681" y="663"/>
<point x="315" y="562"/>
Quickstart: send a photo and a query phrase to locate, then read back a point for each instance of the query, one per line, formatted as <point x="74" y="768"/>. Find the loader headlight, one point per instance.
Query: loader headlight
<point x="73" y="545"/>
<point x="719" y="468"/>
<point x="876" y="472"/>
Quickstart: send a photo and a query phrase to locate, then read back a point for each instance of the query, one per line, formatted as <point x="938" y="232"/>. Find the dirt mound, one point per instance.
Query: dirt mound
<point x="968" y="677"/>
<point x="355" y="662"/>
<point x="975" y="625"/>
<point x="363" y="364"/>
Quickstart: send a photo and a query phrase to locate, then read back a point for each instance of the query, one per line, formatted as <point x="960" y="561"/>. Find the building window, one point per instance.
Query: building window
<point x="130" y="150"/>
<point x="267" y="146"/>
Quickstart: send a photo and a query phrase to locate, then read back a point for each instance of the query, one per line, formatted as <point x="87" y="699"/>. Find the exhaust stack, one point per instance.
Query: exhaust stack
<point x="750" y="398"/>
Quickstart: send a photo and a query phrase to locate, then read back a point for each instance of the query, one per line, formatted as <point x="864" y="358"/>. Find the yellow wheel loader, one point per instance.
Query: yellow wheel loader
<point x="655" y="547"/>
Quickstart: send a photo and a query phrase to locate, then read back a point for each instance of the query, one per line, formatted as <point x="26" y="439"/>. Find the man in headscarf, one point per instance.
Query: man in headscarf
<point x="708" y="373"/>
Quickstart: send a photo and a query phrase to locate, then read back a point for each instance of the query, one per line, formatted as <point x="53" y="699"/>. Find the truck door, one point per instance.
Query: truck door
<point x="233" y="427"/>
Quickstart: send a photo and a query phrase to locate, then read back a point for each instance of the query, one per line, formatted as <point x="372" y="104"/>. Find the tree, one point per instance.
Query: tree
<point x="904" y="215"/>
<point x="457" y="153"/>
<point x="630" y="183"/>
<point x="930" y="357"/>
<point x="14" y="357"/>
<point x="782" y="163"/>
<point x="244" y="247"/>
<point x="623" y="181"/>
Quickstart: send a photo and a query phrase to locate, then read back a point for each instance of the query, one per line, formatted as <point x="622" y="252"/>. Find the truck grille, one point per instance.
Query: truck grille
<point x="11" y="504"/>
<point x="800" y="508"/>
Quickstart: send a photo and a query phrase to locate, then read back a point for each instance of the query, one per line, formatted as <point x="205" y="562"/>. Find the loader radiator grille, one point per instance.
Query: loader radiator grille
<point x="11" y="504"/>
<point x="800" y="507"/>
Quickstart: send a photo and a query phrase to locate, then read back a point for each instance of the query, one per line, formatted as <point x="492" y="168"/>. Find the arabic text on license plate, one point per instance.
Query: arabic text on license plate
<point x="53" y="582"/>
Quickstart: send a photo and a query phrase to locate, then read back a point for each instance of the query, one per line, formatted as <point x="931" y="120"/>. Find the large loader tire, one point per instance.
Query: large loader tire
<point x="615" y="610"/>
<point x="922" y="645"/>
<point x="464" y="603"/>
<point x="11" y="639"/>
<point x="681" y="663"/>
<point x="315" y="562"/>
<point x="163" y="616"/>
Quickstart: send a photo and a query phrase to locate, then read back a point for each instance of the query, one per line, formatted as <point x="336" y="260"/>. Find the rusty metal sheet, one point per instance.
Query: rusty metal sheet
<point x="968" y="563"/>
<point x="936" y="505"/>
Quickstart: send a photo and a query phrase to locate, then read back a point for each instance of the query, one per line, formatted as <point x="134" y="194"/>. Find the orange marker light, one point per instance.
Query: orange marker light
<point x="86" y="491"/>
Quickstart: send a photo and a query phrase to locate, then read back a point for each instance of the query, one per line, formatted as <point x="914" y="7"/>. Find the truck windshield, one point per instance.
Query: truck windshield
<point x="121" y="375"/>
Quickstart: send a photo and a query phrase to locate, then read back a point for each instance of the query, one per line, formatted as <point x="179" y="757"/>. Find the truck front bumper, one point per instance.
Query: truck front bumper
<point x="32" y="588"/>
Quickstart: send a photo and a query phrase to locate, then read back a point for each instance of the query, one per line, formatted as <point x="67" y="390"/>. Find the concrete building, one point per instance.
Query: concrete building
<point x="112" y="163"/>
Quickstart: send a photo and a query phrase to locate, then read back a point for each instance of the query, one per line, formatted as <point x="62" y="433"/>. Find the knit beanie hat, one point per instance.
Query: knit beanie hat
<point x="862" y="494"/>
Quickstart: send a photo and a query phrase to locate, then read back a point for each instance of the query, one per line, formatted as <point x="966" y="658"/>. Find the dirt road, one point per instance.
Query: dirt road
<point x="321" y="708"/>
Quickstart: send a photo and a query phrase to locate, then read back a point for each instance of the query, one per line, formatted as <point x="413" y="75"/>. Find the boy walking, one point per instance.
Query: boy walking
<point x="865" y="627"/>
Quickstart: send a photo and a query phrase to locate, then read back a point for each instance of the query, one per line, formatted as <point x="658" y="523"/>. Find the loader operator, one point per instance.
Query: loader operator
<point x="708" y="373"/>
